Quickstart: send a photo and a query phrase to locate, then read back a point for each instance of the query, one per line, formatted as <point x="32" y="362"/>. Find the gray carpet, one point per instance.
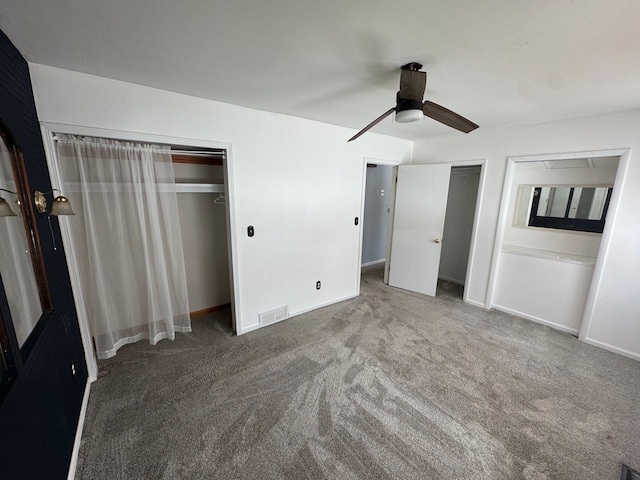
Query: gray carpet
<point x="391" y="385"/>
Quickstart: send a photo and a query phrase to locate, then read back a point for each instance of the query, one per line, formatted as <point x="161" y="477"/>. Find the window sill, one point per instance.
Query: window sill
<point x="549" y="255"/>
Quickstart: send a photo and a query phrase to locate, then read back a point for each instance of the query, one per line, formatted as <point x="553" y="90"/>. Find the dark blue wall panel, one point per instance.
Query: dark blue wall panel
<point x="39" y="415"/>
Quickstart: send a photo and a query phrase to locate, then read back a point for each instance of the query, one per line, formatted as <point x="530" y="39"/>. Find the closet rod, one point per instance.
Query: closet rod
<point x="193" y="153"/>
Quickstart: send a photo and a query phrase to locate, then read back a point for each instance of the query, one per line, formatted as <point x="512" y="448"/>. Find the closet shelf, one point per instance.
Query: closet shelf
<point x="76" y="187"/>
<point x="200" y="188"/>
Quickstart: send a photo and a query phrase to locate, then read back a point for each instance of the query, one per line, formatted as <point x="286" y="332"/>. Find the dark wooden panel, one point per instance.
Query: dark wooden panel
<point x="39" y="414"/>
<point x="197" y="160"/>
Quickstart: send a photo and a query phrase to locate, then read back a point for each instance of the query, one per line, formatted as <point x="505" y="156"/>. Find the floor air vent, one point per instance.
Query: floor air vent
<point x="273" y="316"/>
<point x="629" y="474"/>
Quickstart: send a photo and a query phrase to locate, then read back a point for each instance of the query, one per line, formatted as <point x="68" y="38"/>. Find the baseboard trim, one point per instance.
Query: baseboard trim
<point x="326" y="304"/>
<point x="475" y="304"/>
<point x="76" y="443"/>
<point x="452" y="280"/>
<point x="250" y="328"/>
<point x="611" y="348"/>
<point x="375" y="262"/>
<point x="256" y="326"/>
<point x="206" y="311"/>
<point x="533" y="318"/>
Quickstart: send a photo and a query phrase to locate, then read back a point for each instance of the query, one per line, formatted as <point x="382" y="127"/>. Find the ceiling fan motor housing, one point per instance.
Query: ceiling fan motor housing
<point x="403" y="104"/>
<point x="407" y="110"/>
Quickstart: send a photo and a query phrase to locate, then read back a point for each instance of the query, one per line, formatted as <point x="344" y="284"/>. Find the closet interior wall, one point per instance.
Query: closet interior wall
<point x="458" y="224"/>
<point x="200" y="186"/>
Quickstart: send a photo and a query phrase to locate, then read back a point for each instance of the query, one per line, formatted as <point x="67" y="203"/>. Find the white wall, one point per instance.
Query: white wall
<point x="613" y="319"/>
<point x="546" y="290"/>
<point x="298" y="182"/>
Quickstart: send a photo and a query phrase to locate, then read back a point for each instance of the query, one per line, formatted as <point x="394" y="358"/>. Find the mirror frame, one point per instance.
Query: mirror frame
<point x="10" y="356"/>
<point x="28" y="217"/>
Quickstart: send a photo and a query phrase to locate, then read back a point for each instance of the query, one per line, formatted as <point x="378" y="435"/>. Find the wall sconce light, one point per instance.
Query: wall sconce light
<point x="60" y="206"/>
<point x="5" y="209"/>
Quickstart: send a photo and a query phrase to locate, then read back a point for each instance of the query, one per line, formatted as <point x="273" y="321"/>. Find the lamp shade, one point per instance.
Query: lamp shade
<point x="409" y="115"/>
<point x="5" y="209"/>
<point x="61" y="206"/>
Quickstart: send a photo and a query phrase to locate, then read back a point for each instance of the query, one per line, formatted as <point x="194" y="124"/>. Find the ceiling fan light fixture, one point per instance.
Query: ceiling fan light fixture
<point x="410" y="115"/>
<point x="411" y="105"/>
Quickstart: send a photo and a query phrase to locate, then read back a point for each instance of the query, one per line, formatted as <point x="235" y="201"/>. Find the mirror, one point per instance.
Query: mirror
<point x="21" y="266"/>
<point x="578" y="207"/>
<point x="586" y="203"/>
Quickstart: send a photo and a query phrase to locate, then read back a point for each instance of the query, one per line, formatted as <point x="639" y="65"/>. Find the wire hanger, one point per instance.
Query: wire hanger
<point x="220" y="200"/>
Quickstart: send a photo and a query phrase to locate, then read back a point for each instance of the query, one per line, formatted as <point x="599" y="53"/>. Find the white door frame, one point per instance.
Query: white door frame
<point x="482" y="163"/>
<point x="49" y="129"/>
<point x="605" y="241"/>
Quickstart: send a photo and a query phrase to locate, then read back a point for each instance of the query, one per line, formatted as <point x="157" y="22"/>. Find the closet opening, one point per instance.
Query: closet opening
<point x="200" y="185"/>
<point x="458" y="229"/>
<point x="444" y="215"/>
<point x="200" y="215"/>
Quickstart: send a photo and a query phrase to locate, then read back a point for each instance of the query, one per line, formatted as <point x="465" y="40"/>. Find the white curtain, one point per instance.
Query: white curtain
<point x="126" y="239"/>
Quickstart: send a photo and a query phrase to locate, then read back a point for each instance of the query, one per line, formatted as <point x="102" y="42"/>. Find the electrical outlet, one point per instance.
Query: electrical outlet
<point x="318" y="285"/>
<point x="73" y="369"/>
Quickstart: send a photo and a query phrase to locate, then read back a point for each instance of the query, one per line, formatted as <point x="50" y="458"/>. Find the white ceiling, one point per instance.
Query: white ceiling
<point x="496" y="62"/>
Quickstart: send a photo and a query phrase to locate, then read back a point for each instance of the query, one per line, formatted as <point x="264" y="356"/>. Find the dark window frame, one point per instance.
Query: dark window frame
<point x="566" y="223"/>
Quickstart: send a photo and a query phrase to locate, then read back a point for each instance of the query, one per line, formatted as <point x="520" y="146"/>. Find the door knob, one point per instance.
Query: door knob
<point x="437" y="240"/>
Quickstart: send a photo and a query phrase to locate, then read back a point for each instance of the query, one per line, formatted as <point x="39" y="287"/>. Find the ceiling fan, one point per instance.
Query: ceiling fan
<point x="411" y="107"/>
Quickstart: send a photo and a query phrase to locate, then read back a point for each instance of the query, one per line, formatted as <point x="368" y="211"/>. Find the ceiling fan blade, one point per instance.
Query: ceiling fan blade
<point x="373" y="124"/>
<point x="446" y="116"/>
<point x="412" y="85"/>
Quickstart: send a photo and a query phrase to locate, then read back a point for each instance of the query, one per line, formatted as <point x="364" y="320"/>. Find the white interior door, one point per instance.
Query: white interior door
<point x="418" y="224"/>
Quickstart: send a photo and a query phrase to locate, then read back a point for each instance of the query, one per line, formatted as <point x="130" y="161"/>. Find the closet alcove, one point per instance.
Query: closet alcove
<point x="200" y="186"/>
<point x="200" y="170"/>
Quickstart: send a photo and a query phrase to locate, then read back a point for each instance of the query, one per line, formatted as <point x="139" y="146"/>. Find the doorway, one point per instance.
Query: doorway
<point x="458" y="229"/>
<point x="377" y="209"/>
<point x="551" y="235"/>
<point x="418" y="221"/>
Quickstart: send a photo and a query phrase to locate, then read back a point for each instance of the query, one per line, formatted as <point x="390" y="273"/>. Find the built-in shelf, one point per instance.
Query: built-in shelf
<point x="546" y="254"/>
